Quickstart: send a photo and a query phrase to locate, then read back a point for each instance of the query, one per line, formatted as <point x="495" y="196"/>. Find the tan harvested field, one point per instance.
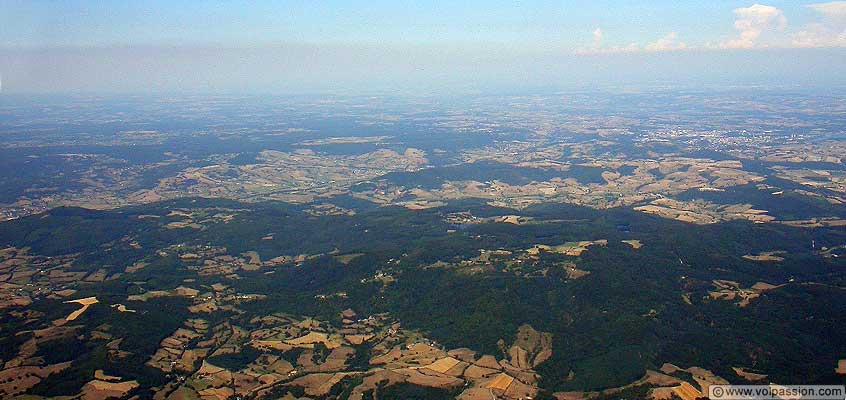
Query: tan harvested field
<point x="318" y="384"/>
<point x="183" y="224"/>
<point x="500" y="382"/>
<point x="421" y="378"/>
<point x="180" y="291"/>
<point x="730" y="290"/>
<point x="488" y="361"/>
<point x="766" y="256"/>
<point x="221" y="393"/>
<point x="570" y="248"/>
<point x="101" y="376"/>
<point x="122" y="308"/>
<point x="218" y="287"/>
<point x="375" y="379"/>
<point x="308" y="340"/>
<point x="477" y="372"/>
<point x="271" y="345"/>
<point x="421" y="204"/>
<point x="347" y="258"/>
<point x="477" y="394"/>
<point x="254" y="257"/>
<point x="509" y="219"/>
<point x="574" y="395"/>
<point x="325" y="209"/>
<point x="443" y="365"/>
<point x="358" y="339"/>
<point x="520" y="390"/>
<point x="102" y="390"/>
<point x="659" y="379"/>
<point x="573" y="272"/>
<point x="634" y="243"/>
<point x="749" y="376"/>
<point x="686" y="391"/>
<point x="662" y="393"/>
<point x="135" y="267"/>
<point x="763" y="286"/>
<point x="705" y="378"/>
<point x="86" y="302"/>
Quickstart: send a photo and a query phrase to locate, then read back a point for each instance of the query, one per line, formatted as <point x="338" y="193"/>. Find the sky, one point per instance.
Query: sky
<point x="376" y="45"/>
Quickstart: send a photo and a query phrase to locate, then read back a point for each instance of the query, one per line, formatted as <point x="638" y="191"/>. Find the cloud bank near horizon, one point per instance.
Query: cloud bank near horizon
<point x="366" y="69"/>
<point x="757" y="26"/>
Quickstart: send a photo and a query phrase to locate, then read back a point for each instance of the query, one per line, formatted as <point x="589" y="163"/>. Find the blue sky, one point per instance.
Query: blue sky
<point x="310" y="45"/>
<point x="566" y="23"/>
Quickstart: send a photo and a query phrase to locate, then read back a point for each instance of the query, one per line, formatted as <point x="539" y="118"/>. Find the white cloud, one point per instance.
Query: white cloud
<point x="752" y="22"/>
<point x="666" y="43"/>
<point x="631" y="48"/>
<point x="757" y="26"/>
<point x="597" y="38"/>
<point x="834" y="9"/>
<point x="829" y="31"/>
<point x="596" y="46"/>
